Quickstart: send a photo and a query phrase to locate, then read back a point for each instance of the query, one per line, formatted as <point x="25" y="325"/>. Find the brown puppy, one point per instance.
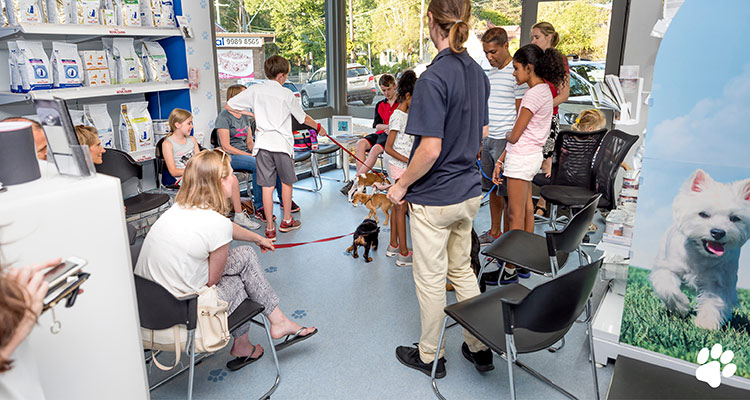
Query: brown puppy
<point x="362" y="181"/>
<point x="373" y="202"/>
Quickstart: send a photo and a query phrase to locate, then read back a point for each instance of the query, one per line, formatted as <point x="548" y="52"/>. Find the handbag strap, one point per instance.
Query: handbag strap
<point x="176" y="330"/>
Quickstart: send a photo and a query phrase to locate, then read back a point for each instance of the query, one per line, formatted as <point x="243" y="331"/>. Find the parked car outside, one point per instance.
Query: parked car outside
<point x="360" y="86"/>
<point x="583" y="75"/>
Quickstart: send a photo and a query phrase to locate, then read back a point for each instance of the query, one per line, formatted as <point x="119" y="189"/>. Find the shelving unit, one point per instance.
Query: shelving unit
<point x="93" y="92"/>
<point x="81" y="33"/>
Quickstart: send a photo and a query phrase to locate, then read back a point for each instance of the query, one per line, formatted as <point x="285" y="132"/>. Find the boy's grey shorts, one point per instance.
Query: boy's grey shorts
<point x="269" y="163"/>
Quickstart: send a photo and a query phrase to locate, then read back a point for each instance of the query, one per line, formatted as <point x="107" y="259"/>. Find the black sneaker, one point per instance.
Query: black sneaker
<point x="523" y="273"/>
<point x="482" y="359"/>
<point x="490" y="278"/>
<point x="409" y="356"/>
<point x="345" y="190"/>
<point x="508" y="277"/>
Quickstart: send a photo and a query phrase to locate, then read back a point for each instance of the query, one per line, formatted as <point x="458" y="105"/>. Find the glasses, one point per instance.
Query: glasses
<point x="223" y="153"/>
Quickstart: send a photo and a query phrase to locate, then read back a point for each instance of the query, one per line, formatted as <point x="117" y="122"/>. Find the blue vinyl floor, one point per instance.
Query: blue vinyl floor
<point x="363" y="311"/>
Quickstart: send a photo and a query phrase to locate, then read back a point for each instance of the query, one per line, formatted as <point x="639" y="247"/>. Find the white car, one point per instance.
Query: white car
<point x="360" y="86"/>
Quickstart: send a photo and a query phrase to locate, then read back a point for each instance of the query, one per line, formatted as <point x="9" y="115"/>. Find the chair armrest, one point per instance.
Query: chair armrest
<point x="513" y="294"/>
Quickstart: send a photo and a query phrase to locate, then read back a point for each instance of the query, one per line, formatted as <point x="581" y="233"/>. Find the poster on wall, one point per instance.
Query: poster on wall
<point x="688" y="289"/>
<point x="235" y="63"/>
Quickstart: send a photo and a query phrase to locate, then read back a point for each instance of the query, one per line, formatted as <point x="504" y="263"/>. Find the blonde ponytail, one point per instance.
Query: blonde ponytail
<point x="458" y="35"/>
<point x="452" y="17"/>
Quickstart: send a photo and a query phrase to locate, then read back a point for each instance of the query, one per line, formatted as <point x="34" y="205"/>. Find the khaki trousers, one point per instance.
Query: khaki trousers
<point x="441" y="237"/>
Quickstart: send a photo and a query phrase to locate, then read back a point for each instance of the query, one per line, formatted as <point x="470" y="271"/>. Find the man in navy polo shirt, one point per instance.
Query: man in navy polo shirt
<point x="442" y="183"/>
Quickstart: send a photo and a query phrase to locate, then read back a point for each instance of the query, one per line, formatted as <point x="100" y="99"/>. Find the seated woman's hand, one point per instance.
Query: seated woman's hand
<point x="265" y="244"/>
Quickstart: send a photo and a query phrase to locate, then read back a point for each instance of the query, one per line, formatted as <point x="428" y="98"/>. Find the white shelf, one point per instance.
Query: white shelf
<point x="79" y="33"/>
<point x="95" y="91"/>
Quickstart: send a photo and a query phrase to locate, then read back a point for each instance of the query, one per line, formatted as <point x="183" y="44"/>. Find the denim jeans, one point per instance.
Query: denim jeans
<point x="247" y="163"/>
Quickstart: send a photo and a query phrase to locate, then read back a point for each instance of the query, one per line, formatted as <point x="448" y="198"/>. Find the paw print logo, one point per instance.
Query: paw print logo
<point x="204" y="3"/>
<point x="271" y="270"/>
<point x="191" y="50"/>
<point x="297" y="314"/>
<point x="196" y="110"/>
<point x="189" y="18"/>
<point x="211" y="124"/>
<point x="712" y="371"/>
<point x="207" y="65"/>
<point x="209" y="95"/>
<point x="216" y="375"/>
<point x="204" y="35"/>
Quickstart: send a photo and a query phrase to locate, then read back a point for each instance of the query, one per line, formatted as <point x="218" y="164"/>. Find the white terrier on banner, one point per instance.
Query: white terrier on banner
<point x="702" y="248"/>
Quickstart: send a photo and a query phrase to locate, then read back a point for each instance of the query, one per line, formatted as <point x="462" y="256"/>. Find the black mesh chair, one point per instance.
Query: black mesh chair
<point x="516" y="320"/>
<point x="326" y="150"/>
<point x="611" y="153"/>
<point x="159" y="309"/>
<point x="120" y="165"/>
<point x="546" y="254"/>
<point x="575" y="153"/>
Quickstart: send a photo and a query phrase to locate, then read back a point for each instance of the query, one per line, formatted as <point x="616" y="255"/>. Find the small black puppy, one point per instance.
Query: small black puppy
<point x="366" y="236"/>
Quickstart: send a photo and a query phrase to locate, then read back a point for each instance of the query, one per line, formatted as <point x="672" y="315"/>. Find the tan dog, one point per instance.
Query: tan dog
<point x="362" y="181"/>
<point x="373" y="202"/>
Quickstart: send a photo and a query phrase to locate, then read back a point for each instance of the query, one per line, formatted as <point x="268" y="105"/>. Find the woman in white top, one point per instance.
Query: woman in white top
<point x="188" y="248"/>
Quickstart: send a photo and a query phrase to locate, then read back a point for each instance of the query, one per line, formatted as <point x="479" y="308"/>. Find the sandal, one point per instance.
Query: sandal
<point x="293" y="338"/>
<point x="542" y="209"/>
<point x="240" y="362"/>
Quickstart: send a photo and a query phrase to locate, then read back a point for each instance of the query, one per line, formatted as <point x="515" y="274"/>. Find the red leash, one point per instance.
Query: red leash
<point x="285" y="245"/>
<point x="355" y="157"/>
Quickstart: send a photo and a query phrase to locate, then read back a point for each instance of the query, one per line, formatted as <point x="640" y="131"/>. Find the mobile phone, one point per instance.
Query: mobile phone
<point x="60" y="273"/>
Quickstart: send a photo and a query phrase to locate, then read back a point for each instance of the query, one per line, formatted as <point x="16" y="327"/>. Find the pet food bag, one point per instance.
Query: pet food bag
<point x="99" y="117"/>
<point x="88" y="12"/>
<point x="3" y="14"/>
<point x="136" y="127"/>
<point x="78" y="117"/>
<point x="107" y="44"/>
<point x="24" y="12"/>
<point x="129" y="12"/>
<point x="151" y="13"/>
<point x="15" y="76"/>
<point x="95" y="67"/>
<point x="107" y="17"/>
<point x="155" y="62"/>
<point x="167" y="14"/>
<point x="129" y="69"/>
<point x="61" y="11"/>
<point x="33" y="65"/>
<point x="66" y="65"/>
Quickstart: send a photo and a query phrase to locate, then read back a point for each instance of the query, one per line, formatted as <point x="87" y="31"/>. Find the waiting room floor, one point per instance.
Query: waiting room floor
<point x="363" y="311"/>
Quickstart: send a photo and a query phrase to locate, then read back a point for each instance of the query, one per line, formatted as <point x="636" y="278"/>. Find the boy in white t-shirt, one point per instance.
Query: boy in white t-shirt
<point x="273" y="107"/>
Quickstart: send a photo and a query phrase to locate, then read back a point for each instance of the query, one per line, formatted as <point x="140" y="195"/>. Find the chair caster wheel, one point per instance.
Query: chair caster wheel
<point x="552" y="350"/>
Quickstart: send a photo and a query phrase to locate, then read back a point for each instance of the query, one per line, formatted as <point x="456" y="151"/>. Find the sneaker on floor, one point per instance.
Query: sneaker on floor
<point x="506" y="278"/>
<point x="409" y="356"/>
<point x="404" y="261"/>
<point x="261" y="215"/>
<point x="486" y="239"/>
<point x="490" y="278"/>
<point x="346" y="188"/>
<point x="523" y="273"/>
<point x="245" y="220"/>
<point x="391" y="251"/>
<point x="271" y="235"/>
<point x="290" y="225"/>
<point x="482" y="359"/>
<point x="295" y="207"/>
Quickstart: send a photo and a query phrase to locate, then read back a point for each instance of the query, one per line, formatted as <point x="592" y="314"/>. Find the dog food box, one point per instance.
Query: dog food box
<point x="96" y="71"/>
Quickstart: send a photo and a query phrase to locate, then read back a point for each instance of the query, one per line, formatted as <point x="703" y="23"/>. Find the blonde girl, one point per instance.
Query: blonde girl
<point x="188" y="248"/>
<point x="89" y="136"/>
<point x="179" y="147"/>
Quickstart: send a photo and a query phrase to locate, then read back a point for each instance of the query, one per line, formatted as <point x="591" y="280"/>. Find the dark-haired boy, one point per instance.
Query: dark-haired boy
<point x="273" y="106"/>
<point x="505" y="98"/>
<point x="375" y="142"/>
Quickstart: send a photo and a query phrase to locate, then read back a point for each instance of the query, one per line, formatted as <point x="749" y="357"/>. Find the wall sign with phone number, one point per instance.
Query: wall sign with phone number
<point x="239" y="42"/>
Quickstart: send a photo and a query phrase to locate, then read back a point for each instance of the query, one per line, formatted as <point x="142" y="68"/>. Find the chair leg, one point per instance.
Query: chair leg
<point x="544" y="379"/>
<point x="553" y="216"/>
<point x="435" y="361"/>
<point x="267" y="326"/>
<point x="481" y="270"/>
<point x="511" y="358"/>
<point x="191" y="371"/>
<point x="555" y="349"/>
<point x="589" y="313"/>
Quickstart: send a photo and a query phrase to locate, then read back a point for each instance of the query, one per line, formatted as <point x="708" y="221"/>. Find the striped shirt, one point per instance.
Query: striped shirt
<point x="502" y="102"/>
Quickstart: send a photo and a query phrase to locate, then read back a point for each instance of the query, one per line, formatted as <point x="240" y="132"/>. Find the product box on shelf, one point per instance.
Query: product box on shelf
<point x="96" y="71"/>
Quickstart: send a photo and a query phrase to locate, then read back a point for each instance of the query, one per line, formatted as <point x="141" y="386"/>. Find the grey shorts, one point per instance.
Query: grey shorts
<point x="492" y="149"/>
<point x="269" y="163"/>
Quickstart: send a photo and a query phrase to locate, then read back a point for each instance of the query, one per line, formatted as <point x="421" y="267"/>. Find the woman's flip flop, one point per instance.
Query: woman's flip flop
<point x="240" y="362"/>
<point x="294" y="338"/>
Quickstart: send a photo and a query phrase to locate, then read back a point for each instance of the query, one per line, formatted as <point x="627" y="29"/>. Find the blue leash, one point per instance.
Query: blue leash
<point x="489" y="179"/>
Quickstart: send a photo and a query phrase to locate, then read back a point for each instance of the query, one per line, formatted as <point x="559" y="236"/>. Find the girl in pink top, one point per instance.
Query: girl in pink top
<point x="523" y="154"/>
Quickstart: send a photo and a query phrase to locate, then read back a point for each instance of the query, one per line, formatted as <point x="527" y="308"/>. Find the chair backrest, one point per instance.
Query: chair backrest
<point x="120" y="165"/>
<point x="162" y="172"/>
<point x="570" y="236"/>
<point x="612" y="152"/>
<point x="554" y="305"/>
<point x="214" y="138"/>
<point x="575" y="154"/>
<point x="158" y="309"/>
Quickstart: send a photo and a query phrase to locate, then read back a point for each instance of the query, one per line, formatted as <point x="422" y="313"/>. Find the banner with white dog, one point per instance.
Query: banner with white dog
<point x="689" y="281"/>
